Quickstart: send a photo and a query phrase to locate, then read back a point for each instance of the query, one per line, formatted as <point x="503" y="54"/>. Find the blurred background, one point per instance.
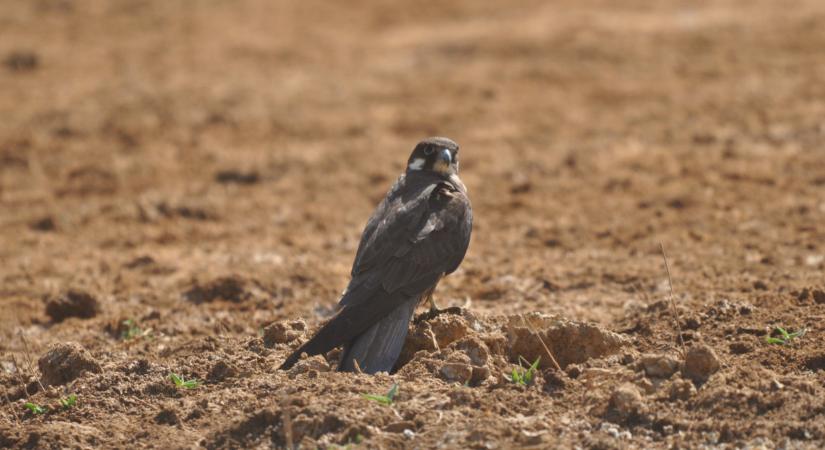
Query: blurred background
<point x="150" y="146"/>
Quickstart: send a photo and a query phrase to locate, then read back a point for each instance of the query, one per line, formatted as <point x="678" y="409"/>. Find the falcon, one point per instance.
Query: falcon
<point x="418" y="234"/>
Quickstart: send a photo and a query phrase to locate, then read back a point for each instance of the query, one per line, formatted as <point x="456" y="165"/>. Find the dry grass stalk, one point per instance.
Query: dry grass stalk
<point x="546" y="349"/>
<point x="675" y="312"/>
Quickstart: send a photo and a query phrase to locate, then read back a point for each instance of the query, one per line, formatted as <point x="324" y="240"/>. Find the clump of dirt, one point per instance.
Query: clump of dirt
<point x="63" y="363"/>
<point x="660" y="366"/>
<point x="228" y="288"/>
<point x="700" y="363"/>
<point x="46" y="223"/>
<point x="463" y="349"/>
<point x="230" y="176"/>
<point x="72" y="303"/>
<point x="21" y="61"/>
<point x="570" y="342"/>
<point x="284" y="332"/>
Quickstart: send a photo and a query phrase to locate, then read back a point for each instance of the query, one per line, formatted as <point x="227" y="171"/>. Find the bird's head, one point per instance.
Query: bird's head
<point x="435" y="154"/>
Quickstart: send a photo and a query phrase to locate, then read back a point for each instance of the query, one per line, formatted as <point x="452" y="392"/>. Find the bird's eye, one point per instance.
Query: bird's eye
<point x="429" y="151"/>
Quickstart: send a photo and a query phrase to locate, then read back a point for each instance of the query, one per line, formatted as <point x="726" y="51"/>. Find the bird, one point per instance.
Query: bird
<point x="418" y="234"/>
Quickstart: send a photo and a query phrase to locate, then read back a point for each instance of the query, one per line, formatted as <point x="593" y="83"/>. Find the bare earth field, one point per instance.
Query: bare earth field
<point x="183" y="185"/>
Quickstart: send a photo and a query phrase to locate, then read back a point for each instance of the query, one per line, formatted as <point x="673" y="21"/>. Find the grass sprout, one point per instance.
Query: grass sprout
<point x="181" y="383"/>
<point x="784" y="338"/>
<point x="35" y="408"/>
<point x="131" y="330"/>
<point x="68" y="402"/>
<point x="383" y="399"/>
<point x="523" y="376"/>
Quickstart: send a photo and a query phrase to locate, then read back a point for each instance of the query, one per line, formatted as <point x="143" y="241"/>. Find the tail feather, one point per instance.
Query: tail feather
<point x="351" y="321"/>
<point x="378" y="348"/>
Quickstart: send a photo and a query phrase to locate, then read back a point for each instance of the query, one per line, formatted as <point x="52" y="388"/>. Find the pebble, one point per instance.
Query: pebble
<point x="700" y="363"/>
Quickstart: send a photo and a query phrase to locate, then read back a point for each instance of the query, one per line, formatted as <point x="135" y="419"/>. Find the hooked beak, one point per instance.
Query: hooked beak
<point x="446" y="156"/>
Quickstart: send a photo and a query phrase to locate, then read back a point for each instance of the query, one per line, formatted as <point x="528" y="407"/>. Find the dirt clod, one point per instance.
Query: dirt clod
<point x="626" y="401"/>
<point x="72" y="303"/>
<point x="63" y="363"/>
<point x="456" y="372"/>
<point x="660" y="366"/>
<point x="448" y="328"/>
<point x="46" y="223"/>
<point x="167" y="416"/>
<point x="312" y="364"/>
<point x="230" y="176"/>
<point x="570" y="342"/>
<point x="229" y="288"/>
<point x="221" y="371"/>
<point x="283" y="332"/>
<point x="21" y="61"/>
<point x="700" y="363"/>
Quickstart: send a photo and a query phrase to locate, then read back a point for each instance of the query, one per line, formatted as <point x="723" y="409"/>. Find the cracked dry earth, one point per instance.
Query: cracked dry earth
<point x="183" y="184"/>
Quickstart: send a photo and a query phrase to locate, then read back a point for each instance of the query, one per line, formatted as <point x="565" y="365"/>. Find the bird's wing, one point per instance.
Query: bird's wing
<point x="417" y="234"/>
<point x="412" y="240"/>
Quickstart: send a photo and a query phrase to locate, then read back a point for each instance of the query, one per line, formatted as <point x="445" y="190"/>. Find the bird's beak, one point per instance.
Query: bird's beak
<point x="445" y="158"/>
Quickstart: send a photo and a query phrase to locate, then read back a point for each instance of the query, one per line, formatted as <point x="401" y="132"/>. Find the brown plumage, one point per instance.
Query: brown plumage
<point x="418" y="234"/>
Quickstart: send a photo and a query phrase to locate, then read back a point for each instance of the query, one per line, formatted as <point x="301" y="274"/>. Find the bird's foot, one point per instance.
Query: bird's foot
<point x="435" y="312"/>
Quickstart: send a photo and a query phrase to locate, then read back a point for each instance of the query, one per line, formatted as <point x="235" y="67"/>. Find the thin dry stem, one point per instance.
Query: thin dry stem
<point x="11" y="408"/>
<point x="675" y="312"/>
<point x="287" y="422"/>
<point x="546" y="349"/>
<point x="29" y="362"/>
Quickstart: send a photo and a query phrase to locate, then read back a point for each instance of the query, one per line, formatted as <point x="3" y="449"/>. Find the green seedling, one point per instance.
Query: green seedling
<point x="35" y="408"/>
<point x="69" y="401"/>
<point x="132" y="330"/>
<point x="383" y="399"/>
<point x="181" y="383"/>
<point x="784" y="338"/>
<point x="523" y="376"/>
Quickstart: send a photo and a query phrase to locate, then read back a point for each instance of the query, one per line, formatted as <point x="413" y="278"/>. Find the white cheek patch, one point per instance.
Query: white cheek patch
<point x="416" y="164"/>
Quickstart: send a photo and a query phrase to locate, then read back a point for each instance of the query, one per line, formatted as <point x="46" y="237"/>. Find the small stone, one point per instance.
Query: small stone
<point x="456" y="372"/>
<point x="573" y="371"/>
<point x="819" y="296"/>
<point x="315" y="363"/>
<point x="474" y="348"/>
<point x="480" y="374"/>
<point x="659" y="366"/>
<point x="283" y="332"/>
<point x="72" y="303"/>
<point x="555" y="380"/>
<point x="700" y="363"/>
<point x="760" y="285"/>
<point x="63" y="363"/>
<point x="692" y="323"/>
<point x="681" y="389"/>
<point x="627" y="401"/>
